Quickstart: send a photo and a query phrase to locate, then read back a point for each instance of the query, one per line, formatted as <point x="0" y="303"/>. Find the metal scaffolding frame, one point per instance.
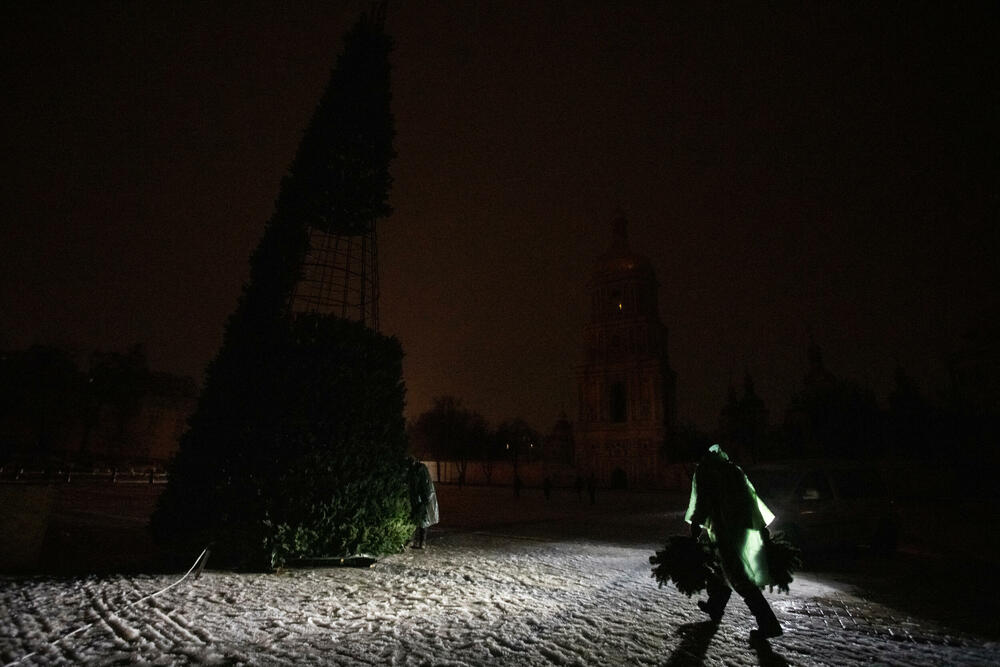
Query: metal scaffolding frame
<point x="340" y="277"/>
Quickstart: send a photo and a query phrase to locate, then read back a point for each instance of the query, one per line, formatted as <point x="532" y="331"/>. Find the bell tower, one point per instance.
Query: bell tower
<point x="626" y="386"/>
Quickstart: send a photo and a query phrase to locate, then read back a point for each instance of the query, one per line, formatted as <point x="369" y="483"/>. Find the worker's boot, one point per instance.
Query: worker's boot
<point x="767" y="622"/>
<point x="718" y="597"/>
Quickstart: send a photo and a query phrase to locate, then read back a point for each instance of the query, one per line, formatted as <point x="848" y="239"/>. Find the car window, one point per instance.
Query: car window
<point x="814" y="488"/>
<point x="861" y="483"/>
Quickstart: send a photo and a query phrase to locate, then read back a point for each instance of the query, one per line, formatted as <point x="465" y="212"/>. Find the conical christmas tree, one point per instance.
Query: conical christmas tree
<point x="297" y="447"/>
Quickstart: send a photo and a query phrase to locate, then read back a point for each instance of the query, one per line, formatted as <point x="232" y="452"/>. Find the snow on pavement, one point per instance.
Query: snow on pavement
<point x="501" y="595"/>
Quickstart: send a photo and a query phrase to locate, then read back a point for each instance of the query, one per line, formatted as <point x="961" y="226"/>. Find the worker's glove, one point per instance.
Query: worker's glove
<point x="695" y="530"/>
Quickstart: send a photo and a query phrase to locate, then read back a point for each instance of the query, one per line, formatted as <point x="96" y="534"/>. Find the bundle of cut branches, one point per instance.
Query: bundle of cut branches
<point x="783" y="558"/>
<point x="685" y="562"/>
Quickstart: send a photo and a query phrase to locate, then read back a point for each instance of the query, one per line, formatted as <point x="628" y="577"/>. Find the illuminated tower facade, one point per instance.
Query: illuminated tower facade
<point x="626" y="386"/>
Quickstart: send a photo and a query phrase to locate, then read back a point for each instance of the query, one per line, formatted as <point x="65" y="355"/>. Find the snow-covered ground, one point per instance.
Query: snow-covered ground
<point x="505" y="581"/>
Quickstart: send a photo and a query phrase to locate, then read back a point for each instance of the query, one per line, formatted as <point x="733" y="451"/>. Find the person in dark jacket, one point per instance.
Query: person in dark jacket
<point x="725" y="509"/>
<point x="423" y="502"/>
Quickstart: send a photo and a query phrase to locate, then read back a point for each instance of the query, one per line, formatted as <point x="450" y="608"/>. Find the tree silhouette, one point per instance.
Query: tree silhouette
<point x="39" y="402"/>
<point x="517" y="441"/>
<point x="449" y="431"/>
<point x="297" y="447"/>
<point x="839" y="418"/>
<point x="116" y="382"/>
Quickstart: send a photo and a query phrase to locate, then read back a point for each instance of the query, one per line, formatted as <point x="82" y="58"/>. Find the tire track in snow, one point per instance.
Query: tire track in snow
<point x="176" y="630"/>
<point x="467" y="600"/>
<point x="588" y="622"/>
<point x="119" y="614"/>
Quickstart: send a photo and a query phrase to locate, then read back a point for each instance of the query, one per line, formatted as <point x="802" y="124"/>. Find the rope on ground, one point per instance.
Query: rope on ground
<point x="200" y="560"/>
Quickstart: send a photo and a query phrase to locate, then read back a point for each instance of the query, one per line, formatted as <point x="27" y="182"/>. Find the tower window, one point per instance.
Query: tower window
<point x="618" y="402"/>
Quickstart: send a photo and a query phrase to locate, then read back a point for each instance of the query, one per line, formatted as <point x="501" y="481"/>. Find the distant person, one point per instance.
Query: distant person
<point x="423" y="502"/>
<point x="517" y="485"/>
<point x="724" y="508"/>
<point x="547" y="488"/>
<point x="592" y="488"/>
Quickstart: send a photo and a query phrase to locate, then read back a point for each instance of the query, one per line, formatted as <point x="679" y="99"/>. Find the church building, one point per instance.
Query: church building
<point x="626" y="386"/>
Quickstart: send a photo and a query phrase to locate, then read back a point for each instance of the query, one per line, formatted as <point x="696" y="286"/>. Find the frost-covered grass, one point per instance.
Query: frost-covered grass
<point x="504" y="581"/>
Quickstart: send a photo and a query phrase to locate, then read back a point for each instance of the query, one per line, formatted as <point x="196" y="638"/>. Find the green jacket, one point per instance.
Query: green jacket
<point x="725" y="504"/>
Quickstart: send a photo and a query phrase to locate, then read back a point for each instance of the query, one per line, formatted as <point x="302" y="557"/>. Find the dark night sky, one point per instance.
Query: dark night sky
<point x="819" y="170"/>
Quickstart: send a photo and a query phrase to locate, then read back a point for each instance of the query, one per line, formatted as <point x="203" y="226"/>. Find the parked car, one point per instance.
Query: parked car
<point x="823" y="504"/>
